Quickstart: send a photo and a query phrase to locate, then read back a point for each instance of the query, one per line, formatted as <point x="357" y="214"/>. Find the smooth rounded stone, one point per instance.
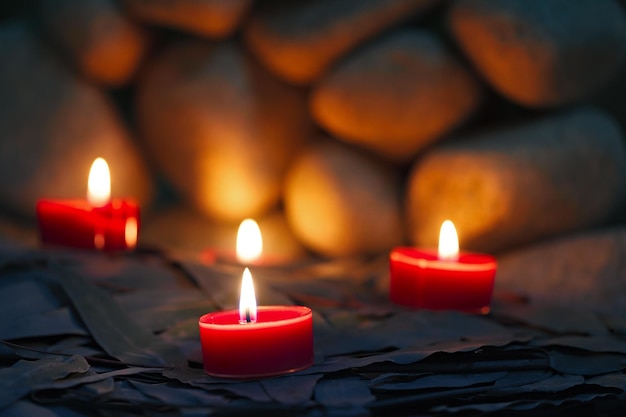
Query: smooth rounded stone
<point x="341" y="202"/>
<point x="184" y="230"/>
<point x="299" y="40"/>
<point x="96" y="36"/>
<point x="542" y="53"/>
<point x="210" y="18"/>
<point x="517" y="184"/>
<point x="53" y="126"/>
<point x="220" y="128"/>
<point x="582" y="270"/>
<point x="396" y="95"/>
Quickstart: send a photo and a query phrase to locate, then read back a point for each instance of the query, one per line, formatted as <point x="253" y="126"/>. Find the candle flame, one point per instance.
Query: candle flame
<point x="247" y="300"/>
<point x="448" y="242"/>
<point x="99" y="183"/>
<point x="249" y="242"/>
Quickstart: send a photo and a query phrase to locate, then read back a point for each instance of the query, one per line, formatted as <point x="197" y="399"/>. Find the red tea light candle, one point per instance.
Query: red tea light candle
<point x="443" y="279"/>
<point x="98" y="222"/>
<point x="256" y="342"/>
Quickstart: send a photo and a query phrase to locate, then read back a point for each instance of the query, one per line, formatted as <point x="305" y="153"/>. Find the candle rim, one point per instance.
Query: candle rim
<point x="467" y="261"/>
<point x="303" y="314"/>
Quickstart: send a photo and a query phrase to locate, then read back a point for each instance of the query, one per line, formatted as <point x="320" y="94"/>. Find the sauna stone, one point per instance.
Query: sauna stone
<point x="396" y="96"/>
<point x="521" y="183"/>
<point x="340" y="201"/>
<point x="54" y="124"/>
<point x="96" y="37"/>
<point x="542" y="54"/>
<point x="206" y="18"/>
<point x="299" y="40"/>
<point x="220" y="128"/>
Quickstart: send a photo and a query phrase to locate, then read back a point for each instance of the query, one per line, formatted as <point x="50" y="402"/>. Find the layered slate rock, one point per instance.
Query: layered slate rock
<point x="101" y="42"/>
<point x="299" y="40"/>
<point x="220" y="128"/>
<point x="54" y="125"/>
<point x="340" y="202"/>
<point x="514" y="185"/>
<point x="210" y="18"/>
<point x="584" y="270"/>
<point x="396" y="95"/>
<point x="543" y="53"/>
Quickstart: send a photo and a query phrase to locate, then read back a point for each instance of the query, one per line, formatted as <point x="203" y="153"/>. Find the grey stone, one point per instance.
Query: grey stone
<point x="395" y="96"/>
<point x="514" y="185"/>
<point x="340" y="201"/>
<point x="96" y="36"/>
<point x="299" y="40"/>
<point x="542" y="53"/>
<point x="210" y="18"/>
<point x="220" y="128"/>
<point x="53" y="125"/>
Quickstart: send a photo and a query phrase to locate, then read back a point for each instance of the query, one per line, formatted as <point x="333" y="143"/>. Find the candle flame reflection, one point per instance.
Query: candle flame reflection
<point x="448" y="242"/>
<point x="249" y="242"/>
<point x="98" y="241"/>
<point x="247" y="300"/>
<point x="131" y="230"/>
<point x="99" y="183"/>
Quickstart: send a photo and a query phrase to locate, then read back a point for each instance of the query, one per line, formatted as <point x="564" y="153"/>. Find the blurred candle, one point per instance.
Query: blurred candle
<point x="249" y="242"/>
<point x="98" y="222"/>
<point x="249" y="250"/>
<point x="443" y="279"/>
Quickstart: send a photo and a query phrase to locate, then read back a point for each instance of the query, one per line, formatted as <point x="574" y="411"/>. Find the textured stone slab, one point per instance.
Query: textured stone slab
<point x="518" y="184"/>
<point x="542" y="53"/>
<point x="53" y="125"/>
<point x="211" y="18"/>
<point x="299" y="40"/>
<point x="95" y="35"/>
<point x="220" y="127"/>
<point x="395" y="96"/>
<point x="339" y="201"/>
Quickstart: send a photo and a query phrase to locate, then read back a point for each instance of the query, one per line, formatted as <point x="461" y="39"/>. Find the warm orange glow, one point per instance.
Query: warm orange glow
<point x="98" y="241"/>
<point x="448" y="242"/>
<point x="99" y="184"/>
<point x="247" y="300"/>
<point x="131" y="231"/>
<point x="249" y="242"/>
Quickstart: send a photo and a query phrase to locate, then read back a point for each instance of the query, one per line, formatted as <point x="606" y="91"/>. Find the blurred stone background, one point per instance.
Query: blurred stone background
<point x="345" y="127"/>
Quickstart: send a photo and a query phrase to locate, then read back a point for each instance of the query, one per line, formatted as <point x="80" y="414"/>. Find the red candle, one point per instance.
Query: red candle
<point x="96" y="223"/>
<point x="254" y="343"/>
<point x="443" y="279"/>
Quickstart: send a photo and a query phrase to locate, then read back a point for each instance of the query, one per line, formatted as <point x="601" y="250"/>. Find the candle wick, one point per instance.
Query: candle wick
<point x="248" y="318"/>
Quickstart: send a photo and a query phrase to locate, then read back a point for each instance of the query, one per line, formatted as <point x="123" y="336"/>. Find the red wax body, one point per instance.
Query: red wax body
<point x="281" y="341"/>
<point x="76" y="223"/>
<point x="420" y="279"/>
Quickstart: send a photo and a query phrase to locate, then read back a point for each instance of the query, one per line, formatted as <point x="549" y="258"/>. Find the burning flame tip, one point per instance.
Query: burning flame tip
<point x="448" y="242"/>
<point x="247" y="300"/>
<point x="99" y="183"/>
